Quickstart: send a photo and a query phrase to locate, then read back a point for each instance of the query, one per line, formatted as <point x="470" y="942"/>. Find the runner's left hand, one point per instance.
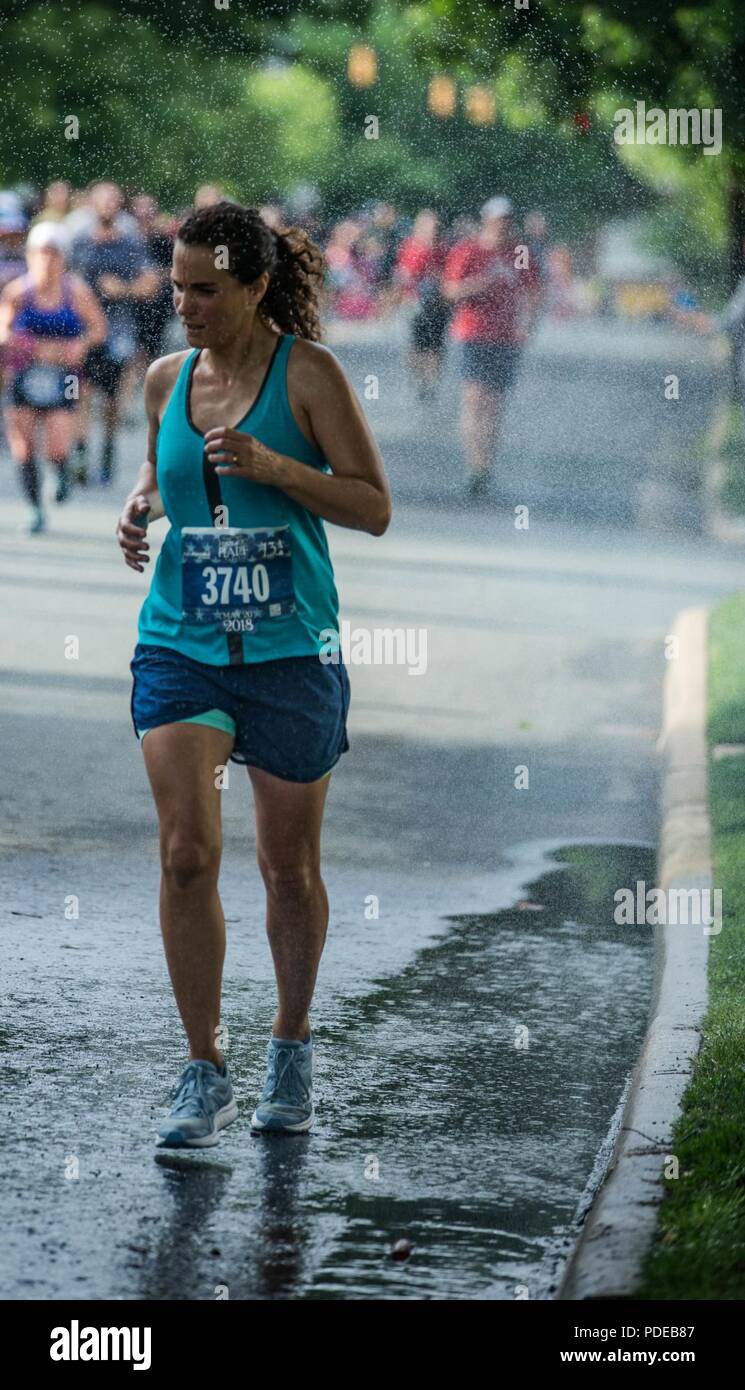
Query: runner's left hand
<point x="253" y="460"/>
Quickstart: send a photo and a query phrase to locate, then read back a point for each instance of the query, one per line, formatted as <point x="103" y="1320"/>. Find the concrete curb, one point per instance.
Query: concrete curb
<point x="619" y="1227"/>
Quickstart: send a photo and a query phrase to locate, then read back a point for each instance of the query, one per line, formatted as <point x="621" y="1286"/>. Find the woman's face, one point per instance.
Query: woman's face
<point x="495" y="231"/>
<point x="425" y="227"/>
<point x="58" y="196"/>
<point x="212" y="304"/>
<point x="44" y="262"/>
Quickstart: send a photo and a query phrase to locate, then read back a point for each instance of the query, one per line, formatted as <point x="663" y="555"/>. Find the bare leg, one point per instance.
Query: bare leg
<point x="430" y="368"/>
<point x="182" y="762"/>
<point x="288" y="849"/>
<point x="58" y="433"/>
<point x="58" y="437"/>
<point x="110" y="414"/>
<point x="20" y="428"/>
<point x="482" y="415"/>
<point x="425" y="368"/>
<point x="416" y="367"/>
<point x="83" y="412"/>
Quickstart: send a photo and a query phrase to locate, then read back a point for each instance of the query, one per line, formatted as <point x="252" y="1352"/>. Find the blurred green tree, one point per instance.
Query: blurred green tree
<point x="591" y="59"/>
<point x="258" y="98"/>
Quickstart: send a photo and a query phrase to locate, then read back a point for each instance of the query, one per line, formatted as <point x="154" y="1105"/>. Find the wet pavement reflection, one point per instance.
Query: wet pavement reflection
<point x="461" y="1100"/>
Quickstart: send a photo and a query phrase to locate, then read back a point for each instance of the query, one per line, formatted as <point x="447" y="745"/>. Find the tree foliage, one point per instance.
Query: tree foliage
<point x="169" y="94"/>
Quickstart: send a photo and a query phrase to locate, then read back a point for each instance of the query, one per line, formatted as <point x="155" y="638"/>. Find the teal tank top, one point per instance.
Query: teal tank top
<point x="189" y="490"/>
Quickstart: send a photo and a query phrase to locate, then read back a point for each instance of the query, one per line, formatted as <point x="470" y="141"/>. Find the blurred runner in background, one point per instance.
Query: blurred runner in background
<point x="385" y="229"/>
<point x="537" y="239"/>
<point x="57" y="203"/>
<point x="561" y="300"/>
<point x="48" y="321"/>
<point x="82" y="219"/>
<point x="152" y="313"/>
<point x="271" y="213"/>
<point x="421" y="259"/>
<point x="350" y="292"/>
<point x="495" y="304"/>
<point x="13" y="228"/>
<point x="117" y="267"/>
<point x="207" y="195"/>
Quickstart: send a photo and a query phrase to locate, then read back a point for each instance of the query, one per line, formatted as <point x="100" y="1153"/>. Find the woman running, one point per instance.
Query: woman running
<point x="238" y="656"/>
<point x="48" y="321"/>
<point x="419" y="266"/>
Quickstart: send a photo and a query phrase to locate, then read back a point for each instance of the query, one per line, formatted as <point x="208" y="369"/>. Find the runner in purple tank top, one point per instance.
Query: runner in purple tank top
<point x="48" y="320"/>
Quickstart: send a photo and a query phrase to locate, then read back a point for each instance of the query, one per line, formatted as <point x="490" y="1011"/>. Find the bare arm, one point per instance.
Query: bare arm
<point x="146" y="284"/>
<point x="356" y="492"/>
<point x="90" y="311"/>
<point x="145" y="496"/>
<point x="9" y="301"/>
<point x="455" y="290"/>
<point x="474" y="285"/>
<point x="142" y="287"/>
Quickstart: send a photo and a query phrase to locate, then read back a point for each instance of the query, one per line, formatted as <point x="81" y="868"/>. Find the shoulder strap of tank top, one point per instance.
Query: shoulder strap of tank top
<point x="182" y="388"/>
<point x="279" y="351"/>
<point x="279" y="361"/>
<point x="271" y="381"/>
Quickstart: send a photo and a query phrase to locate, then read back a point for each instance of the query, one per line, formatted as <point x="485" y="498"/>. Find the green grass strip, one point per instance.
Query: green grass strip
<point x="699" y="1251"/>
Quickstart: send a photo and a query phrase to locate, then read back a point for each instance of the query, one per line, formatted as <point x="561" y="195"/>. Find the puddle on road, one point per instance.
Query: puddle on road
<point x="579" y="892"/>
<point x="483" y="1079"/>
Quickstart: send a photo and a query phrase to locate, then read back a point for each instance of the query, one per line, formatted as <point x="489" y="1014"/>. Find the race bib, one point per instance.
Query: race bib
<point x="235" y="577"/>
<point x="42" y="386"/>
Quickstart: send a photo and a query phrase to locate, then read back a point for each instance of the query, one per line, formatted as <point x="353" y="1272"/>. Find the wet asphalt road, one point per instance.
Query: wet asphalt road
<point x="606" y="420"/>
<point x="545" y="650"/>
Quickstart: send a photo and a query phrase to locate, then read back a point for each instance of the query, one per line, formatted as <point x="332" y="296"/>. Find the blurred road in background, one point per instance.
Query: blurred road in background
<point x="544" y="650"/>
<point x="589" y="432"/>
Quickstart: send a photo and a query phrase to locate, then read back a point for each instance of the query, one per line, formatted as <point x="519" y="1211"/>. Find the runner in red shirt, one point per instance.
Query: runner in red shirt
<point x="495" y="296"/>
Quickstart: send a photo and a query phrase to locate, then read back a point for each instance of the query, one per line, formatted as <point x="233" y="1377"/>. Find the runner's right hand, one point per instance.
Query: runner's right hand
<point x="131" y="538"/>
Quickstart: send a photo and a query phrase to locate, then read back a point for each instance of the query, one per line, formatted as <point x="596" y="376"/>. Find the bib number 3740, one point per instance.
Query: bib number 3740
<point x="235" y="577"/>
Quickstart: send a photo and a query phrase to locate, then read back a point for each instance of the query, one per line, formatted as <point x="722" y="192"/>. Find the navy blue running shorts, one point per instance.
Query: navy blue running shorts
<point x="493" y="364"/>
<point x="289" y="716"/>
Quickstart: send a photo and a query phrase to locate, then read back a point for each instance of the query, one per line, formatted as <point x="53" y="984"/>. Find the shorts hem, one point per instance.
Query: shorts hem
<point x="283" y="776"/>
<point x="200" y="718"/>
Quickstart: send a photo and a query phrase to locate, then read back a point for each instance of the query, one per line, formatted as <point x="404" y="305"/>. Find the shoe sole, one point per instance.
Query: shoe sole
<point x="257" y="1127"/>
<point x="222" y="1118"/>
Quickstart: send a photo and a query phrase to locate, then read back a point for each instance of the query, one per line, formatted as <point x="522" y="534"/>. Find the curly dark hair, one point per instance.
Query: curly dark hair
<point x="294" y="262"/>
